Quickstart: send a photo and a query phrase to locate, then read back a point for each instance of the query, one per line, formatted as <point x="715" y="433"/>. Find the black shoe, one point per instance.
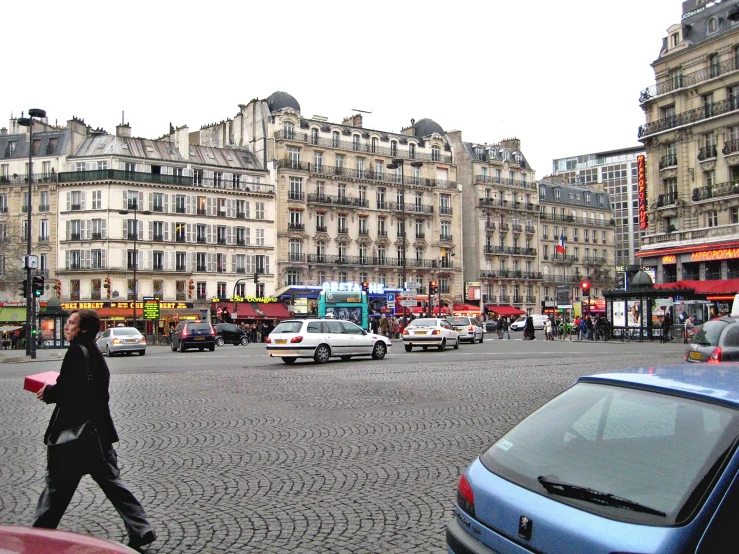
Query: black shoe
<point x="140" y="542"/>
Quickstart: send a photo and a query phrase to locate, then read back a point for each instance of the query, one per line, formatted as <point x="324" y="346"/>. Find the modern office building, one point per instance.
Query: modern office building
<point x="615" y="172"/>
<point x="690" y="217"/>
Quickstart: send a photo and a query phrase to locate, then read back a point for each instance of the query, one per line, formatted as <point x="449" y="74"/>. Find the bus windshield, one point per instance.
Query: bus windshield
<point x="347" y="305"/>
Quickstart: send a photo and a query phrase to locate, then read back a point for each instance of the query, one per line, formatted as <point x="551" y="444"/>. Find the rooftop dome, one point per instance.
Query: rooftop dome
<point x="426" y="127"/>
<point x="279" y="100"/>
<point x="641" y="280"/>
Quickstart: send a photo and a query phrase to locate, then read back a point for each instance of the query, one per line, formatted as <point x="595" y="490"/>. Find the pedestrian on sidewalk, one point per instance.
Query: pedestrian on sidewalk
<point x="81" y="397"/>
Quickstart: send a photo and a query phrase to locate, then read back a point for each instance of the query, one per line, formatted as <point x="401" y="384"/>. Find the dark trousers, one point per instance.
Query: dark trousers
<point x="61" y="484"/>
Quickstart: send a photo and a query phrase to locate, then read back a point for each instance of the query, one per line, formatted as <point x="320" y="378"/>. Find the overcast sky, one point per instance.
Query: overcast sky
<point x="564" y="77"/>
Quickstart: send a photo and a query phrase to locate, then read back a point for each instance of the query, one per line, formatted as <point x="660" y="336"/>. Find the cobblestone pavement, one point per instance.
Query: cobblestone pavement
<point x="240" y="453"/>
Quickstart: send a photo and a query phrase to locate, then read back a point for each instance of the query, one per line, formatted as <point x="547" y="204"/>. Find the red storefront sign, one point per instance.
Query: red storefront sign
<point x="641" y="165"/>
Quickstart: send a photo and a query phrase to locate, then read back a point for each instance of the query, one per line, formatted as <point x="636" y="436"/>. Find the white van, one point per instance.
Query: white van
<point x="521" y="321"/>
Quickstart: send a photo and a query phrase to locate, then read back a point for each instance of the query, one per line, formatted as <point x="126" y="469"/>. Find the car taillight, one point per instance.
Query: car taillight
<point x="143" y="340"/>
<point x="405" y="332"/>
<point x="184" y="331"/>
<point x="465" y="498"/>
<point x="471" y="329"/>
<point x="715" y="356"/>
<point x="116" y="341"/>
<point x="436" y="332"/>
<point x="297" y="339"/>
<point x="268" y="340"/>
<point x="212" y="331"/>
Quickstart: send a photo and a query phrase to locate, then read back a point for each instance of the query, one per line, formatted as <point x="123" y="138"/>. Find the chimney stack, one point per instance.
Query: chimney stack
<point x="123" y="130"/>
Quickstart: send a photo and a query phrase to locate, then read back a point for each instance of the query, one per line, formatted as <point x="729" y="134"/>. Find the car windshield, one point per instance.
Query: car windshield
<point x="521" y="319"/>
<point x="288" y="327"/>
<point x="657" y="451"/>
<point x="423" y="322"/>
<point x="198" y="327"/>
<point x="125" y="331"/>
<point x="458" y="320"/>
<point x="709" y="333"/>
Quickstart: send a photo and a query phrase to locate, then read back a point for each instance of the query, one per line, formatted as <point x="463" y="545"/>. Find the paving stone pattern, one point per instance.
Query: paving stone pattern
<point x="345" y="457"/>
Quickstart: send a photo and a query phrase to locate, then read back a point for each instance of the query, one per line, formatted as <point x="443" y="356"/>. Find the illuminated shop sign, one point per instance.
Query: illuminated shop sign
<point x="669" y="259"/>
<point x="374" y="288"/>
<point x="641" y="165"/>
<point x="82" y="305"/>
<point x="252" y="299"/>
<point x="710" y="255"/>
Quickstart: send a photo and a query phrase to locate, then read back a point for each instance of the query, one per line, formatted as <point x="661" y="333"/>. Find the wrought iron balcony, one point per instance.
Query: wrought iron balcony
<point x="720" y="190"/>
<point x="730" y="147"/>
<point x="489" y="179"/>
<point x="296" y="227"/>
<point x="530" y="229"/>
<point x="707" y="152"/>
<point x="517" y="300"/>
<point x="689" y="117"/>
<point x="676" y="82"/>
<point x="241" y="215"/>
<point x="363" y="232"/>
<point x="17" y="179"/>
<point x="43" y="238"/>
<point x="343" y="230"/>
<point x="580" y="220"/>
<point x="667" y="161"/>
<point x="157" y="238"/>
<point x="518" y="251"/>
<point x="517" y="228"/>
<point x="340" y="200"/>
<point x="295" y="195"/>
<point x="504" y="227"/>
<point x="321" y="229"/>
<point x="366" y="147"/>
<point x="445" y="237"/>
<point x="420" y="236"/>
<point x="294" y="257"/>
<point x="445" y="210"/>
<point x="490" y="225"/>
<point x="667" y="199"/>
<point x="44" y="208"/>
<point x="493" y="203"/>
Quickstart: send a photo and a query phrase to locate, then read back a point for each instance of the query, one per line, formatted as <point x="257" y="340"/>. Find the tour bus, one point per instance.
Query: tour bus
<point x="348" y="305"/>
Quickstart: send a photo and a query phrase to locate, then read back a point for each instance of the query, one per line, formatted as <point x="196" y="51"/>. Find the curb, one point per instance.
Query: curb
<point x="24" y="360"/>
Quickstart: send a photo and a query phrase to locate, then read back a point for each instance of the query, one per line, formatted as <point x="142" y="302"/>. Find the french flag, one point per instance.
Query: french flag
<point x="561" y="245"/>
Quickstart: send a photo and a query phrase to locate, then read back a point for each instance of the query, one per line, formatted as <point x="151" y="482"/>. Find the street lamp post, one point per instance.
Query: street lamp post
<point x="136" y="213"/>
<point x="30" y="300"/>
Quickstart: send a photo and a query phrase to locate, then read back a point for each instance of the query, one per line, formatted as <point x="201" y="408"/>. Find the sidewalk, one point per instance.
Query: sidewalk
<point x="42" y="355"/>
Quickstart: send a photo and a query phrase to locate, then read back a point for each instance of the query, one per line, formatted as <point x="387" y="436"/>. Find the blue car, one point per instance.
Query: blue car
<point x="641" y="461"/>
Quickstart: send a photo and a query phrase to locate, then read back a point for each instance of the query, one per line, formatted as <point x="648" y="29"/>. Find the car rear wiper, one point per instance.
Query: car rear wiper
<point x="596" y="497"/>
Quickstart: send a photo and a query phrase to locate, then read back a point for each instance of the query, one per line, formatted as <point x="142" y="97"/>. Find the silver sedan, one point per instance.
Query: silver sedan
<point x="126" y="340"/>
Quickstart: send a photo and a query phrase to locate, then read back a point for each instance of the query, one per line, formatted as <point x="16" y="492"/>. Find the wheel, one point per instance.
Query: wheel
<point x="142" y="352"/>
<point x="201" y="348"/>
<point x="442" y="346"/>
<point x="289" y="360"/>
<point x="379" y="351"/>
<point x="346" y="358"/>
<point x="323" y="353"/>
<point x="482" y="338"/>
<point x="212" y="348"/>
<point x="425" y="348"/>
<point x="456" y="344"/>
<point x="244" y="341"/>
<point x="219" y="341"/>
<point x="409" y="347"/>
<point x="182" y="347"/>
<point x="107" y="351"/>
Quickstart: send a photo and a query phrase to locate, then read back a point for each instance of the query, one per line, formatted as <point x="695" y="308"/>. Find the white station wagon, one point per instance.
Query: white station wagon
<point x="322" y="339"/>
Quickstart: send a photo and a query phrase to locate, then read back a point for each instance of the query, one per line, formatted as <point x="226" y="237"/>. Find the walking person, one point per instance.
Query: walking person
<point x="506" y="328"/>
<point x="501" y="326"/>
<point x="548" y="329"/>
<point x="81" y="397"/>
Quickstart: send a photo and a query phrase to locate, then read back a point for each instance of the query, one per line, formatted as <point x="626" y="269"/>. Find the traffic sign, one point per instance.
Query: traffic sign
<point x="408" y="303"/>
<point x="412" y="285"/>
<point x="390" y="297"/>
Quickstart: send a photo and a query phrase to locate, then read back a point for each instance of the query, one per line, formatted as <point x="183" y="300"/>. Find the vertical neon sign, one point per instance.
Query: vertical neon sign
<point x="641" y="165"/>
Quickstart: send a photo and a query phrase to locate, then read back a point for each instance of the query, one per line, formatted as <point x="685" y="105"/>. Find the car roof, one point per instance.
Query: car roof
<point x="705" y="382"/>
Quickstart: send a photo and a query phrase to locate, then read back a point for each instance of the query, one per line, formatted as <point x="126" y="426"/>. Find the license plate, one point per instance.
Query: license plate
<point x="695" y="355"/>
<point x="459" y="328"/>
<point x="420" y="332"/>
<point x="130" y="340"/>
<point x="281" y="341"/>
<point x="199" y="338"/>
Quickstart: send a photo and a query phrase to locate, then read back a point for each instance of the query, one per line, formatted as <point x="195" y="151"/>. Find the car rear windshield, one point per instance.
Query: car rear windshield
<point x="288" y="327"/>
<point x="198" y="327"/>
<point x="709" y="333"/>
<point x="423" y="323"/>
<point x="458" y="320"/>
<point x="119" y="332"/>
<point x="656" y="450"/>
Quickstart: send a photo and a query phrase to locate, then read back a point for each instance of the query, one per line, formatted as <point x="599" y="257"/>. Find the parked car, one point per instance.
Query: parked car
<point x="430" y="331"/>
<point x="642" y="461"/>
<point x="194" y="334"/>
<point x="715" y="341"/>
<point x="491" y="326"/>
<point x="322" y="339"/>
<point x="521" y="321"/>
<point x="228" y="333"/>
<point x="15" y="539"/>
<point x="122" y="340"/>
<point x="468" y="328"/>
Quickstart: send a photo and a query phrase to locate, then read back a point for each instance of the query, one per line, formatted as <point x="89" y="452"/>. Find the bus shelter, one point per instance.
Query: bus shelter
<point x="636" y="314"/>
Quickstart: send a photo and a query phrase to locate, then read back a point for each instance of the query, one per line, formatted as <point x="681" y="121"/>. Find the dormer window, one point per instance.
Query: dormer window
<point x="435" y="153"/>
<point x="674" y="40"/>
<point x="394" y="148"/>
<point x="412" y="150"/>
<point x="712" y="25"/>
<point x="478" y="152"/>
<point x="288" y="129"/>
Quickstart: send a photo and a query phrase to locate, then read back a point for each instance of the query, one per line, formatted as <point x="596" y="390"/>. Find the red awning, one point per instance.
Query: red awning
<point x="275" y="310"/>
<point x="504" y="310"/>
<point x="245" y="311"/>
<point x="466" y="308"/>
<point x="719" y="286"/>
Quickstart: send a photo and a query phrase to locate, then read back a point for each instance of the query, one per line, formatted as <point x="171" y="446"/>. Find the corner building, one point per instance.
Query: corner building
<point x="691" y="137"/>
<point x="351" y="202"/>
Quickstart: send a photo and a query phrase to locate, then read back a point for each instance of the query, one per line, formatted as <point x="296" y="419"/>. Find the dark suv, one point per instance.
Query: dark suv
<point x="228" y="333"/>
<point x="194" y="334"/>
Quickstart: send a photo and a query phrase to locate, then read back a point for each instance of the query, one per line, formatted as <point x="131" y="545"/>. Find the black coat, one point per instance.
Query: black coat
<point x="76" y="400"/>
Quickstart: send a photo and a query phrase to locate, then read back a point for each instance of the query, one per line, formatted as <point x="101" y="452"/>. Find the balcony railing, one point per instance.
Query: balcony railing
<point x="720" y="190"/>
<point x="676" y="82"/>
<point x="667" y="161"/>
<point x="321" y="229"/>
<point x="580" y="220"/>
<point x="366" y="147"/>
<point x="343" y="230"/>
<point x="517" y="228"/>
<point x="490" y="225"/>
<point x="372" y="261"/>
<point x="17" y="179"/>
<point x="337" y="200"/>
<point x="43" y="238"/>
<point x="489" y="179"/>
<point x="296" y="226"/>
<point x="530" y="229"/>
<point x="445" y="237"/>
<point x="158" y="238"/>
<point x="292" y="257"/>
<point x="667" y="199"/>
<point x="691" y="116"/>
<point x="44" y="208"/>
<point x="707" y="152"/>
<point x="730" y="147"/>
<point x="365" y="175"/>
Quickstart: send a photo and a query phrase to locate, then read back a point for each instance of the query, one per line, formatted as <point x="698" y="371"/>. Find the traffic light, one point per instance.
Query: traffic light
<point x="38" y="285"/>
<point x="433" y="288"/>
<point x="34" y="330"/>
<point x="365" y="286"/>
<point x="585" y="286"/>
<point x="23" y="290"/>
<point x="256" y="277"/>
<point x="107" y="287"/>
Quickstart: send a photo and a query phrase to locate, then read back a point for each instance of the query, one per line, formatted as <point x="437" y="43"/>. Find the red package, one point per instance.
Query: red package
<point x="35" y="382"/>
